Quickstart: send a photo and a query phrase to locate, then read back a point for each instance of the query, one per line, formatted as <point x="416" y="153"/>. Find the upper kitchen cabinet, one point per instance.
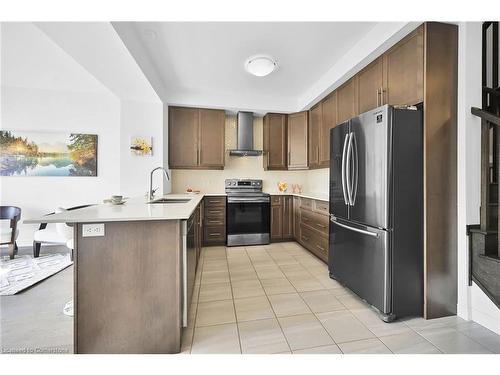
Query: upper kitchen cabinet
<point x="183" y="137"/>
<point x="404" y="65"/>
<point x="347" y="100"/>
<point x="297" y="140"/>
<point x="315" y="117"/>
<point x="196" y="138"/>
<point x="275" y="141"/>
<point x="371" y="86"/>
<point x="211" y="138"/>
<point x="328" y="121"/>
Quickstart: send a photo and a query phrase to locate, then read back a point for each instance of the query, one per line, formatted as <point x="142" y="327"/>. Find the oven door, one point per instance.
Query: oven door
<point x="248" y="220"/>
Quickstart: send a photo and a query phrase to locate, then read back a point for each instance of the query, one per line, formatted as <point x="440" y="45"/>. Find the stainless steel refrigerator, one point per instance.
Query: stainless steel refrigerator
<point x="376" y="209"/>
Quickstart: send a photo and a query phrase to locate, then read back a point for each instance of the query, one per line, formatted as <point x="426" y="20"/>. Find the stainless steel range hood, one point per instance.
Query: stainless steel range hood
<point x="244" y="130"/>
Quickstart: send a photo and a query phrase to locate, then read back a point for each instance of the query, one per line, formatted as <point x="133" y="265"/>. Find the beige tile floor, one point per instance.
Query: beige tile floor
<point x="259" y="299"/>
<point x="278" y="298"/>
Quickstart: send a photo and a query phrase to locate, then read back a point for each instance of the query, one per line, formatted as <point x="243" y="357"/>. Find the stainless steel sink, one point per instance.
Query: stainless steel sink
<point x="169" y="200"/>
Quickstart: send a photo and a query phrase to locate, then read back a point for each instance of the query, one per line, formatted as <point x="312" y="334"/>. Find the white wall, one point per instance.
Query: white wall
<point x="472" y="302"/>
<point x="140" y="119"/>
<point x="43" y="88"/>
<point x="48" y="110"/>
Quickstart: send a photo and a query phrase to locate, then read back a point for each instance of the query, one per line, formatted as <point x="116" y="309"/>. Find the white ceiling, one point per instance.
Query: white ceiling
<point x="30" y="59"/>
<point x="202" y="63"/>
<point x="97" y="47"/>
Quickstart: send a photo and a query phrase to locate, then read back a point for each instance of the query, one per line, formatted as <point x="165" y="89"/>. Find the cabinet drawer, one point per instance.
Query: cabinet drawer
<point x="306" y="203"/>
<point x="215" y="221"/>
<point x="322" y="207"/>
<point x="215" y="201"/>
<point x="314" y="220"/>
<point x="276" y="200"/>
<point x="315" y="243"/>
<point x="215" y="234"/>
<point x="215" y="212"/>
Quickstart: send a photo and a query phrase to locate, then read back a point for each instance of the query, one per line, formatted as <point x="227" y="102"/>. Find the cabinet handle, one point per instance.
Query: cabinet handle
<point x="382" y="97"/>
<point x="214" y="221"/>
<point x="321" y="225"/>
<point x="214" y="234"/>
<point x="317" y="152"/>
<point x="214" y="212"/>
<point x="305" y="238"/>
<point x="289" y="158"/>
<point x="378" y="97"/>
<point x="213" y="201"/>
<point x="319" y="247"/>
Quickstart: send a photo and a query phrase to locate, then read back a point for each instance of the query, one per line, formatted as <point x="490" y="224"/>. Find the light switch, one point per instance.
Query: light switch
<point x="92" y="230"/>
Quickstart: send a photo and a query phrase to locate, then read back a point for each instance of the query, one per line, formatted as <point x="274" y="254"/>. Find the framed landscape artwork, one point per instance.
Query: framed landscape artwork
<point x="32" y="153"/>
<point x="141" y="146"/>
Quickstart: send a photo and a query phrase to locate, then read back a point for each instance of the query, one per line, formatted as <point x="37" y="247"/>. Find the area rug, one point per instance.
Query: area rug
<point x="24" y="271"/>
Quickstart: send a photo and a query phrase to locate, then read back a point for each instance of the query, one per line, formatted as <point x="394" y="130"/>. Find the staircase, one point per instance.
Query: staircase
<point x="484" y="244"/>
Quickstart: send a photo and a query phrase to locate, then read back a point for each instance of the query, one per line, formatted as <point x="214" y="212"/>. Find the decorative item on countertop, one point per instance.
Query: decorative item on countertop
<point x="282" y="187"/>
<point x="192" y="191"/>
<point x="116" y="200"/>
<point x="36" y="153"/>
<point x="296" y="188"/>
<point x="141" y="146"/>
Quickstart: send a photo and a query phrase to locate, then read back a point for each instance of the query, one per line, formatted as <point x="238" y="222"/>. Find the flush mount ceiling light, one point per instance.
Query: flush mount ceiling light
<point x="260" y="66"/>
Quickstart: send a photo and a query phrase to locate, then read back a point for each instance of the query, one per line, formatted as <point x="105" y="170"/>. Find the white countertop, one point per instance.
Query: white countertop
<point x="135" y="209"/>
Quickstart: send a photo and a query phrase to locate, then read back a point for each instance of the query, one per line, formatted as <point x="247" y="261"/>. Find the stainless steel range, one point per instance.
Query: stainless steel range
<point x="248" y="213"/>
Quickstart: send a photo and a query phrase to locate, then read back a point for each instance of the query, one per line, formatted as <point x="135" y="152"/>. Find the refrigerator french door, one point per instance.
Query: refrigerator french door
<point x="376" y="208"/>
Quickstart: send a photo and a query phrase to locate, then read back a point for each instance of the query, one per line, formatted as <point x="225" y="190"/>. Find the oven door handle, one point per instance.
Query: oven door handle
<point x="248" y="200"/>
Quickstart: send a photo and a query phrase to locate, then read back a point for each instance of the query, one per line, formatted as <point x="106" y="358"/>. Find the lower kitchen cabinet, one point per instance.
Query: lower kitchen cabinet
<point x="313" y="226"/>
<point x="281" y="217"/>
<point x="214" y="220"/>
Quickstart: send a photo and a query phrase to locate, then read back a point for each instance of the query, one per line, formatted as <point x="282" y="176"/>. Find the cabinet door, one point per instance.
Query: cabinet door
<point x="347" y="101"/>
<point x="276" y="141"/>
<point x="296" y="218"/>
<point x="297" y="140"/>
<point x="328" y="121"/>
<point x="211" y="135"/>
<point x="404" y="65"/>
<point x="276" y="222"/>
<point x="370" y="86"/>
<point x="315" y="118"/>
<point x="287" y="217"/>
<point x="183" y="137"/>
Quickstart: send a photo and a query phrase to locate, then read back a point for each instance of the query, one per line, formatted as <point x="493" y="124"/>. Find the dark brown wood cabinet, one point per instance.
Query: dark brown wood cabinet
<point x="196" y="138"/>
<point x="275" y="141"/>
<point x="297" y="140"/>
<point x="183" y="124"/>
<point x="315" y="117"/>
<point x="371" y="86"/>
<point x="313" y="226"/>
<point x="211" y="138"/>
<point x="214" y="220"/>
<point x="404" y="69"/>
<point x="328" y="121"/>
<point x="346" y="100"/>
<point x="287" y="217"/>
<point x="282" y="224"/>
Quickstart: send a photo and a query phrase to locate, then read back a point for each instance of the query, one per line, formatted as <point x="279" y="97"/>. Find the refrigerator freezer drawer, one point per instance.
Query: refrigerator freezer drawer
<point x="359" y="257"/>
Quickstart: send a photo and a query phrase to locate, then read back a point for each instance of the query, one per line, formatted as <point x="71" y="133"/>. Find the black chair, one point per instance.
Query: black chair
<point x="9" y="237"/>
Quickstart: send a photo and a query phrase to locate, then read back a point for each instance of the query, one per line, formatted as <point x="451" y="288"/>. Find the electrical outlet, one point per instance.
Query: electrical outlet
<point x="92" y="230"/>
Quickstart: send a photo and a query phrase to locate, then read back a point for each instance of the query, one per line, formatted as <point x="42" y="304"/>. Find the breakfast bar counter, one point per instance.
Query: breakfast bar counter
<point x="133" y="273"/>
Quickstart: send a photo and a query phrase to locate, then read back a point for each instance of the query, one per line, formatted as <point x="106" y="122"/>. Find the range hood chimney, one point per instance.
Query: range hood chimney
<point x="244" y="131"/>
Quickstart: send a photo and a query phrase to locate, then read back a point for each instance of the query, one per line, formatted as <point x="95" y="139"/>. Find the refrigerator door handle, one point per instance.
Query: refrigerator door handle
<point x="344" y="185"/>
<point x="333" y="219"/>
<point x="348" y="170"/>
<point x="354" y="188"/>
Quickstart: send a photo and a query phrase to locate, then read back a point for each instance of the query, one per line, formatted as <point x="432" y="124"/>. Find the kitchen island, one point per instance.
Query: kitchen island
<point x="134" y="273"/>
